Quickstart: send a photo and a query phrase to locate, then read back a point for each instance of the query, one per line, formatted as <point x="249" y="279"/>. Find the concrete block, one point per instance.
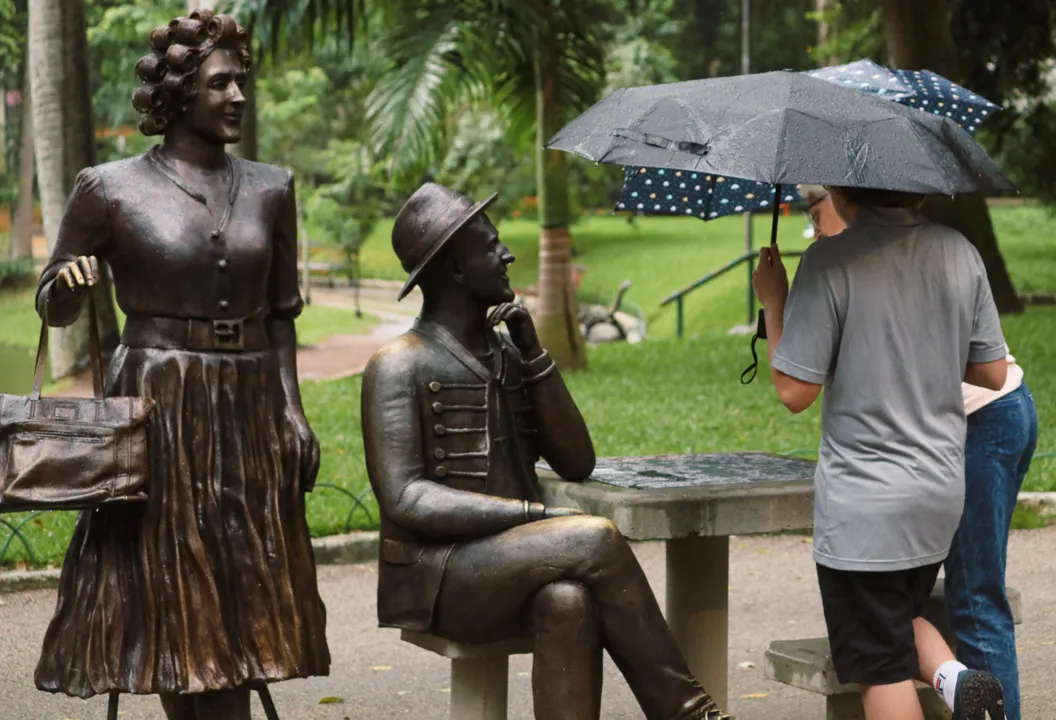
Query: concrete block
<point x="479" y="673"/>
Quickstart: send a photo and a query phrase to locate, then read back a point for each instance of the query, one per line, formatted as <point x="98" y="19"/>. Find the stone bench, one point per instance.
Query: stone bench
<point x="807" y="665"/>
<point x="479" y="673"/>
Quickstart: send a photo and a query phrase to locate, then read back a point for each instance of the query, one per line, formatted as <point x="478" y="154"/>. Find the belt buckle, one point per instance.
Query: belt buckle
<point x="228" y="334"/>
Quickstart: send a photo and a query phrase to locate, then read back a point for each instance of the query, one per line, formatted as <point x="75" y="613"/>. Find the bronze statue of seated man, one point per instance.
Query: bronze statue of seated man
<point x="455" y="416"/>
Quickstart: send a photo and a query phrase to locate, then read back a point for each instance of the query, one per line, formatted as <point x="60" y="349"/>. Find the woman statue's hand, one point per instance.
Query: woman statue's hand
<point x="80" y="274"/>
<point x="308" y="448"/>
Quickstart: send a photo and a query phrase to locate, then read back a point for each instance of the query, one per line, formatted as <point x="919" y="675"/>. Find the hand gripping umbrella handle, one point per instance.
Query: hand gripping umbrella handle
<point x="760" y="326"/>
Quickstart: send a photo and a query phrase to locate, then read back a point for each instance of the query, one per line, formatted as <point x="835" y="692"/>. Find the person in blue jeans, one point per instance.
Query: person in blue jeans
<point x="1000" y="441"/>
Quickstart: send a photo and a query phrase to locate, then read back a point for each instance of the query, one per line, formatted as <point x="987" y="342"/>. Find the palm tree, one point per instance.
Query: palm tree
<point x="538" y="62"/>
<point x="64" y="139"/>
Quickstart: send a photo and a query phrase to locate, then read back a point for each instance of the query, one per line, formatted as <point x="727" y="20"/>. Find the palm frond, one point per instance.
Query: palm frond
<point x="301" y="21"/>
<point x="425" y="78"/>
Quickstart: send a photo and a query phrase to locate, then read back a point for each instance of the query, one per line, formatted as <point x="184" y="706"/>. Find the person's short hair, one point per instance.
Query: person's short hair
<point x="170" y="73"/>
<point x="813" y="193"/>
<point x="870" y="197"/>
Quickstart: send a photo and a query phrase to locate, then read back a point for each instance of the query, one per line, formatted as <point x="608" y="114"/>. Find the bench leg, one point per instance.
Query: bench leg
<point x="478" y="688"/>
<point x="847" y="706"/>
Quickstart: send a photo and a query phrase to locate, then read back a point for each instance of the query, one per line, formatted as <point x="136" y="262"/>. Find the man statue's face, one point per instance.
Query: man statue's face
<point x="481" y="260"/>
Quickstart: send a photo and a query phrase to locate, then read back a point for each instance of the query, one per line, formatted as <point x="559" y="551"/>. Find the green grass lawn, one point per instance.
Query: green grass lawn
<point x="667" y="395"/>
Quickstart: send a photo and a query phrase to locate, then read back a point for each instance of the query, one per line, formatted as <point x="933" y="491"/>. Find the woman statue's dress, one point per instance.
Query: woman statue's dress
<point x="211" y="584"/>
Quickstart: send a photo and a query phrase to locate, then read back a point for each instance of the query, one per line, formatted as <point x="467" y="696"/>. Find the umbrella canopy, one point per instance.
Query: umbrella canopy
<point x="935" y="94"/>
<point x="658" y="191"/>
<point x="867" y="77"/>
<point x="785" y="128"/>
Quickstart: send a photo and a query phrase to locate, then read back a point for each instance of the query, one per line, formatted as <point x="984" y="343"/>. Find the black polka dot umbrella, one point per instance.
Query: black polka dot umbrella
<point x="659" y="191"/>
<point x="935" y="94"/>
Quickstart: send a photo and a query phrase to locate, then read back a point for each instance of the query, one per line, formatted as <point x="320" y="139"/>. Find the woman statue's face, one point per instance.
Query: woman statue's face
<point x="215" y="114"/>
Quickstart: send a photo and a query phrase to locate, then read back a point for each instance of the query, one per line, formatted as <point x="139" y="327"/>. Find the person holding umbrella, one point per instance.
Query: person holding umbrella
<point x="1000" y="441"/>
<point x="889" y="317"/>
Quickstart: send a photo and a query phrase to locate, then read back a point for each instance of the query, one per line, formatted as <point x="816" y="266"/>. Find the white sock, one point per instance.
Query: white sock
<point x="945" y="680"/>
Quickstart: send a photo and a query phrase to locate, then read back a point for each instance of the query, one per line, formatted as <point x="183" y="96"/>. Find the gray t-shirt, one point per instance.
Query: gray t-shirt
<point x="886" y="316"/>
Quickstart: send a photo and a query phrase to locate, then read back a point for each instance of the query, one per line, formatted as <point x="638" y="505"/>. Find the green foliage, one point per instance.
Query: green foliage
<point x="12" y="36"/>
<point x="480" y="160"/>
<point x="709" y="42"/>
<point x="16" y="272"/>
<point x="347" y="208"/>
<point x="118" y="36"/>
<point x="856" y="32"/>
<point x="442" y="55"/>
<point x="640" y="52"/>
<point x="288" y="26"/>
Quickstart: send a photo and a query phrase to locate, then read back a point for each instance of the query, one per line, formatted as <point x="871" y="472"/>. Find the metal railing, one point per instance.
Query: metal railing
<point x="679" y="297"/>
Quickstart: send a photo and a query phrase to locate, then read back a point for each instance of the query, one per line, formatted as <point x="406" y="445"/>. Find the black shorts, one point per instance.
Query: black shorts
<point x="870" y="620"/>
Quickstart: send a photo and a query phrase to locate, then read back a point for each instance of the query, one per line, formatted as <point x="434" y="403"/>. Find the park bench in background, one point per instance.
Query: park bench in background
<point x="807" y="664"/>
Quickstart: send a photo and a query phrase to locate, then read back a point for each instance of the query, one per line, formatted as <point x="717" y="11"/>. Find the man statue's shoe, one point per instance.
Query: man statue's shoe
<point x="979" y="695"/>
<point x="703" y="708"/>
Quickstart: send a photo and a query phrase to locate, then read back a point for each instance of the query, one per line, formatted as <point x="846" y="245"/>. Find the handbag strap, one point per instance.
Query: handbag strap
<point x="93" y="351"/>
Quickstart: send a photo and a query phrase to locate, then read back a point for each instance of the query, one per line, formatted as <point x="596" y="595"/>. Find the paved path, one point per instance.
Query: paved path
<point x="774" y="595"/>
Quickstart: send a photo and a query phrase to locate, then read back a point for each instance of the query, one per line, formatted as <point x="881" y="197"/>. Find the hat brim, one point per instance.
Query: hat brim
<point x="470" y="213"/>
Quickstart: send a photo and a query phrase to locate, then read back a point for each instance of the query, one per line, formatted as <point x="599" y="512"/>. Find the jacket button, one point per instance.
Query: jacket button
<point x="438" y="407"/>
<point x="434" y="386"/>
<point x="222" y="264"/>
<point x="215" y="234"/>
<point x="441" y="471"/>
<point x="439" y="454"/>
<point x="224" y="304"/>
<point x="439" y="429"/>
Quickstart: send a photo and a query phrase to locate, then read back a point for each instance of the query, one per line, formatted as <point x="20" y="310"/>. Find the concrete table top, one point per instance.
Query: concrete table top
<point x="666" y="497"/>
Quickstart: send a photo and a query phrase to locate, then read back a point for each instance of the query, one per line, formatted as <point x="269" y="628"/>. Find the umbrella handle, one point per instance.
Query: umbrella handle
<point x="760" y="325"/>
<point x="777" y="214"/>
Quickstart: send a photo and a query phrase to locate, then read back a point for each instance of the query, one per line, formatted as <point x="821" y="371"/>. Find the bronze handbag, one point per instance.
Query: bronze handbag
<point x="73" y="453"/>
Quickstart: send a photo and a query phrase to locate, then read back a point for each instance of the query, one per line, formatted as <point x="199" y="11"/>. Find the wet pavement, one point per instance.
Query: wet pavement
<point x="375" y="676"/>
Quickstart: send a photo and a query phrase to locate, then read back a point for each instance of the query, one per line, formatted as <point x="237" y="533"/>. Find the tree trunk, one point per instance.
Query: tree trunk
<point x="919" y="37"/>
<point x="556" y="319"/>
<point x="22" y="222"/>
<point x="64" y="139"/>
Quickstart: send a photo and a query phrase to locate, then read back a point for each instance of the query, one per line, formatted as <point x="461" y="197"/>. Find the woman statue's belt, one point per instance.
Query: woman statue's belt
<point x="196" y="334"/>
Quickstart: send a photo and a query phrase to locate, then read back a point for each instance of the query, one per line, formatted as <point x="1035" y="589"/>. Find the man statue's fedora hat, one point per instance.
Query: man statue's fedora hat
<point x="426" y="222"/>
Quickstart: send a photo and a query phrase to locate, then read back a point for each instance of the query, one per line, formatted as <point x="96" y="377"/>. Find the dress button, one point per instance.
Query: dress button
<point x="224" y="304"/>
<point x="441" y="471"/>
<point x="438" y="407"/>
<point x="439" y="429"/>
<point x="434" y="386"/>
<point x="222" y="264"/>
<point x="439" y="454"/>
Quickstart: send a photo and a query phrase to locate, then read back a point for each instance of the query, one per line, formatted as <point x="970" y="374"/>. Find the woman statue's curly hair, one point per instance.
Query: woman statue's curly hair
<point x="169" y="74"/>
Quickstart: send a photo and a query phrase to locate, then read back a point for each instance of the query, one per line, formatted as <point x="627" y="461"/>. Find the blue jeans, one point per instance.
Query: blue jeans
<point x="1000" y="443"/>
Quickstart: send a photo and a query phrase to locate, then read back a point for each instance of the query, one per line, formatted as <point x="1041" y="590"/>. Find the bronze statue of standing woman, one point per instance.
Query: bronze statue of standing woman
<point x="209" y="589"/>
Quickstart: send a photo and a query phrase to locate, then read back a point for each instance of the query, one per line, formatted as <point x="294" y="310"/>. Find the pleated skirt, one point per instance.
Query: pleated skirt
<point x="210" y="584"/>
